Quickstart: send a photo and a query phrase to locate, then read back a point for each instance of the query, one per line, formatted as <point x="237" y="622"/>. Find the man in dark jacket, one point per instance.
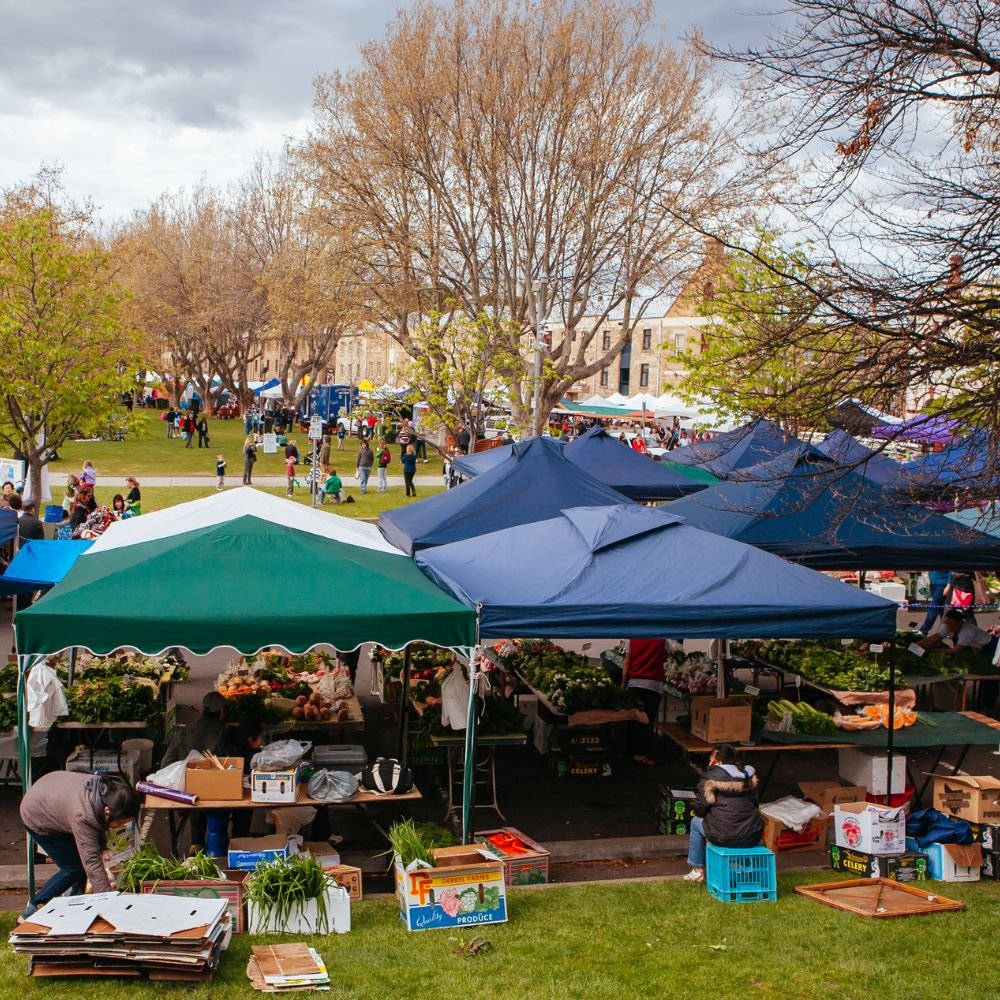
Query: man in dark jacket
<point x="725" y="809"/>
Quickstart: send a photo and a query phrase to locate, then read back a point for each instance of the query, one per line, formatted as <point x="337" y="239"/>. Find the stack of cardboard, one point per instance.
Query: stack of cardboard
<point x="112" y="934"/>
<point x="282" y="968"/>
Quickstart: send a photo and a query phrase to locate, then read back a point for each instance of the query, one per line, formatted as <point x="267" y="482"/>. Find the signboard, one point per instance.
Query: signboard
<point x="11" y="469"/>
<point x="315" y="427"/>
<point x="270" y="444"/>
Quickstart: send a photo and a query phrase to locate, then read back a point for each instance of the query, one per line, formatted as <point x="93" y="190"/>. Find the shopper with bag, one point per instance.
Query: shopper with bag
<point x="382" y="459"/>
<point x="249" y="457"/>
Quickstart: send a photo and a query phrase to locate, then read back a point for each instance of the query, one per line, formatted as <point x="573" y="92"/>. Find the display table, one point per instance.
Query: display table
<point x="177" y="812"/>
<point x="454" y="747"/>
<point x="590" y="717"/>
<point x="355" y="722"/>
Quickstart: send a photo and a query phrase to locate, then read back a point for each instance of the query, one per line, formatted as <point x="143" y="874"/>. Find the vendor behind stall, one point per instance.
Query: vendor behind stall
<point x="644" y="674"/>
<point x="68" y="815"/>
<point x="961" y="634"/>
<point x="725" y="809"/>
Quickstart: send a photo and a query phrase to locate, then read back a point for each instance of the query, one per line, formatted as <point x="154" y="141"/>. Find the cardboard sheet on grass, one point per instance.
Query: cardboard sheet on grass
<point x="940" y="729"/>
<point x="879" y="898"/>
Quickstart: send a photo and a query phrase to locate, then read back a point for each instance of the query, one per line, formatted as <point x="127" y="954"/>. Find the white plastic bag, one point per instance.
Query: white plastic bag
<point x="455" y="699"/>
<point x="173" y="775"/>
<point x="280" y="755"/>
<point x="46" y="697"/>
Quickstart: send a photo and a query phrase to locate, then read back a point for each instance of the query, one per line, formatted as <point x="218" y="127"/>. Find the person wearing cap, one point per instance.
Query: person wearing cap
<point x="211" y="733"/>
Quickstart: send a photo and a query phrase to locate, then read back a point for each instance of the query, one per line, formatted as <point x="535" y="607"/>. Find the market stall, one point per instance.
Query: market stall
<point x="727" y="453"/>
<point x="212" y="559"/>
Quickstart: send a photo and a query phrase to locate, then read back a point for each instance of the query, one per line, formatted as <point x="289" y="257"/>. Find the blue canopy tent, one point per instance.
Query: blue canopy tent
<point x="40" y="564"/>
<point x="607" y="460"/>
<point x="8" y="525"/>
<point x="271" y="384"/>
<point x="953" y="468"/>
<point x="537" y="482"/>
<point x="609" y="580"/>
<point x="806" y="507"/>
<point x="848" y="451"/>
<point x="727" y="453"/>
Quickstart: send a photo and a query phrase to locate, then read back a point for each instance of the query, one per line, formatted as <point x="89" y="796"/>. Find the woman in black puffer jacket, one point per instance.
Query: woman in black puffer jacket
<point x="725" y="809"/>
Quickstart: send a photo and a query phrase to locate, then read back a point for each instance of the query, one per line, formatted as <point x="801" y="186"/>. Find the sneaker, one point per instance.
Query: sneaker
<point x="695" y="875"/>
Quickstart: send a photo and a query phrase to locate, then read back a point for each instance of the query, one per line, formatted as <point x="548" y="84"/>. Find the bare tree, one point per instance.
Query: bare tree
<point x="895" y="125"/>
<point x="481" y="148"/>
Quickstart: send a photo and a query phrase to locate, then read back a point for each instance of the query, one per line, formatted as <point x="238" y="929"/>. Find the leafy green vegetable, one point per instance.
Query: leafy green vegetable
<point x="277" y="887"/>
<point x="148" y="865"/>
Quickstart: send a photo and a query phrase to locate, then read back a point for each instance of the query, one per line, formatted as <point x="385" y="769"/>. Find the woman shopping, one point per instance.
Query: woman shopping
<point x="249" y="457"/>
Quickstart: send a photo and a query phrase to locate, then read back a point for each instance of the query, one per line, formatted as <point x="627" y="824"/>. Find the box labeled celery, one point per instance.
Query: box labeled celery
<point x="986" y="834"/>
<point x="463" y="889"/>
<point x="675" y="810"/>
<point x="908" y="867"/>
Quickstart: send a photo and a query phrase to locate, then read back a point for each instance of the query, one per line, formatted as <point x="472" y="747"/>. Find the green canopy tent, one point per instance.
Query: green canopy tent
<point x="200" y="576"/>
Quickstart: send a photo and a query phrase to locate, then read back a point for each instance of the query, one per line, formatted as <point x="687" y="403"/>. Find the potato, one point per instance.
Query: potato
<point x="301" y="700"/>
<point x="324" y="713"/>
<point x="297" y="712"/>
<point x="315" y="699"/>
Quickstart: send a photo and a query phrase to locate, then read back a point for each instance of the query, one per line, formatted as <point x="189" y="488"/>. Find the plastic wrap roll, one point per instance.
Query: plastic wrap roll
<point x="187" y="798"/>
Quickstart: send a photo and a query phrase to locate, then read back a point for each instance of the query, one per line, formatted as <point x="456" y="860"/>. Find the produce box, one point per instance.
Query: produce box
<point x="541" y="734"/>
<point x="952" y="862"/>
<point x="464" y="889"/>
<point x="721" y="720"/>
<point x="870" y="769"/>
<point x="991" y="866"/>
<point x="304" y="918"/>
<point x="675" y="810"/>
<point x="204" y="779"/>
<point x="274" y="786"/>
<point x="827" y="794"/>
<point x="578" y="740"/>
<point x="592" y="766"/>
<point x="870" y="828"/>
<point x="967" y="796"/>
<point x="986" y="834"/>
<point x="105" y="762"/>
<point x="231" y="890"/>
<point x="245" y="853"/>
<point x="347" y="877"/>
<point x="908" y="867"/>
<point x="324" y="852"/>
<point x="524" y="861"/>
<point x="781" y="838"/>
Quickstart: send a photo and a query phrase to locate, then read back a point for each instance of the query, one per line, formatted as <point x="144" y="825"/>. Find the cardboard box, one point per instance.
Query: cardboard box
<point x="541" y="735"/>
<point x="578" y="740"/>
<point x="866" y="827"/>
<point x="325" y="853"/>
<point x="230" y="890"/>
<point x="204" y="779"/>
<point x="781" y="839"/>
<point x="304" y="918"/>
<point x="952" y="862"/>
<point x="675" y="810"/>
<point x="869" y="769"/>
<point x="105" y="762"/>
<point x="967" y="796"/>
<point x="464" y="889"/>
<point x="524" y="861"/>
<point x="349" y="878"/>
<point x="991" y="866"/>
<point x="591" y="766"/>
<point x="986" y="834"/>
<point x="274" y="786"/>
<point x="908" y="867"/>
<point x="247" y="852"/>
<point x="721" y="720"/>
<point x="827" y="794"/>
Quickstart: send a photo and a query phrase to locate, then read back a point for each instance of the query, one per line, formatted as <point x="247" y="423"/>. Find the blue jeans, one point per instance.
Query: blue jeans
<point x="696" y="847"/>
<point x="935" y="610"/>
<point x="363" y="474"/>
<point x="61" y="848"/>
<point x="383" y="481"/>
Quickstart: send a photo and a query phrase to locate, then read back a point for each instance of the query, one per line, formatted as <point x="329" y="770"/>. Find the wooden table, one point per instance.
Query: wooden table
<point x="361" y="801"/>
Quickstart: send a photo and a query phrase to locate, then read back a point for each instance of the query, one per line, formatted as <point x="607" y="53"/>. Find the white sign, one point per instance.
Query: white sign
<point x="916" y="650"/>
<point x="315" y="427"/>
<point x="11" y="470"/>
<point x="270" y="444"/>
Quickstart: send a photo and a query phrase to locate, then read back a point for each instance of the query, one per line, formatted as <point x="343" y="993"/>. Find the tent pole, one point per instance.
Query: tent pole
<point x="469" y="776"/>
<point x="404" y="708"/>
<point x="71" y="672"/>
<point x="24" y="756"/>
<point x="890" y="739"/>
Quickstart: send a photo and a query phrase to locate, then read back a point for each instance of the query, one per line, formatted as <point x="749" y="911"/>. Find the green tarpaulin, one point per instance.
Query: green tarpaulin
<point x="245" y="583"/>
<point x="939" y="729"/>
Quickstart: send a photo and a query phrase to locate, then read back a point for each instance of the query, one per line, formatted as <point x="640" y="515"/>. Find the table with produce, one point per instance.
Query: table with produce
<point x="291" y="693"/>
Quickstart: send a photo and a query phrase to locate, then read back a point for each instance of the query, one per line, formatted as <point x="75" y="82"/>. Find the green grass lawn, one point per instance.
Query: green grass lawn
<point x="656" y="939"/>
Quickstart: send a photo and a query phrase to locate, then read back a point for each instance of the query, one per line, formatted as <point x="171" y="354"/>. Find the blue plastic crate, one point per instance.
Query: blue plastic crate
<point x="740" y="874"/>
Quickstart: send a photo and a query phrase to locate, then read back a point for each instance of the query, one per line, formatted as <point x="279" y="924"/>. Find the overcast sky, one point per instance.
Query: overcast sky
<point x="133" y="98"/>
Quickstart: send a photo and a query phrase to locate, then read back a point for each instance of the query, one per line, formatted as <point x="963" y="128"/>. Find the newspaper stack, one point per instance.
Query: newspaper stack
<point x="283" y="968"/>
<point x="161" y="938"/>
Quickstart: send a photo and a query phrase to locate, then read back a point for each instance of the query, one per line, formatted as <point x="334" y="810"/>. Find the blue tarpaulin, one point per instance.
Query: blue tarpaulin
<point x="873" y="465"/>
<point x="727" y="453"/>
<point x="807" y="508"/>
<point x="630" y="571"/>
<point x="537" y="482"/>
<point x="607" y="460"/>
<point x="8" y="525"/>
<point x="40" y="564"/>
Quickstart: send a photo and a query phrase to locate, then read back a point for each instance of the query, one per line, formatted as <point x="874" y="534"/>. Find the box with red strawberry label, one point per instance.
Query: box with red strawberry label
<point x="870" y="828"/>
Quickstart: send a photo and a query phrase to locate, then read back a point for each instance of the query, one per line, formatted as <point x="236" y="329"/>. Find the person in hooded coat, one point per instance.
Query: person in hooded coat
<point x="725" y="808"/>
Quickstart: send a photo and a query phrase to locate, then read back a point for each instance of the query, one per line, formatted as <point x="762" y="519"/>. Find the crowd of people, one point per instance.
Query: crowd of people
<point x="84" y="516"/>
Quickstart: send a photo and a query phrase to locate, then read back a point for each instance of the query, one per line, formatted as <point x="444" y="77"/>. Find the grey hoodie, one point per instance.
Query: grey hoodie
<point x="68" y="802"/>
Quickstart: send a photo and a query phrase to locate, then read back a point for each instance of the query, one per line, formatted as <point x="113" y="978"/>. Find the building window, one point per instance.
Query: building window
<point x="679" y="343"/>
<point x="647" y="339"/>
<point x="604" y="376"/>
<point x="643" y="376"/>
<point x="606" y="341"/>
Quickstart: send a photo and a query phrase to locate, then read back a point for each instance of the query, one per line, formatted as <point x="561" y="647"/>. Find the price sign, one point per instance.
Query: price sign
<point x="875" y="647"/>
<point x="916" y="650"/>
<point x="751" y="690"/>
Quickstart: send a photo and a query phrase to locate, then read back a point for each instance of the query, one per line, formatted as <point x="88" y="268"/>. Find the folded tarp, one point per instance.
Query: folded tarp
<point x="40" y="564"/>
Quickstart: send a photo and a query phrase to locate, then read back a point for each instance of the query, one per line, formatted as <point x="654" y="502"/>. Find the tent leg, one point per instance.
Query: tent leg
<point x="24" y="664"/>
<point x="404" y="709"/>
<point x="71" y="670"/>
<point x="890" y="739"/>
<point x="469" y="776"/>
